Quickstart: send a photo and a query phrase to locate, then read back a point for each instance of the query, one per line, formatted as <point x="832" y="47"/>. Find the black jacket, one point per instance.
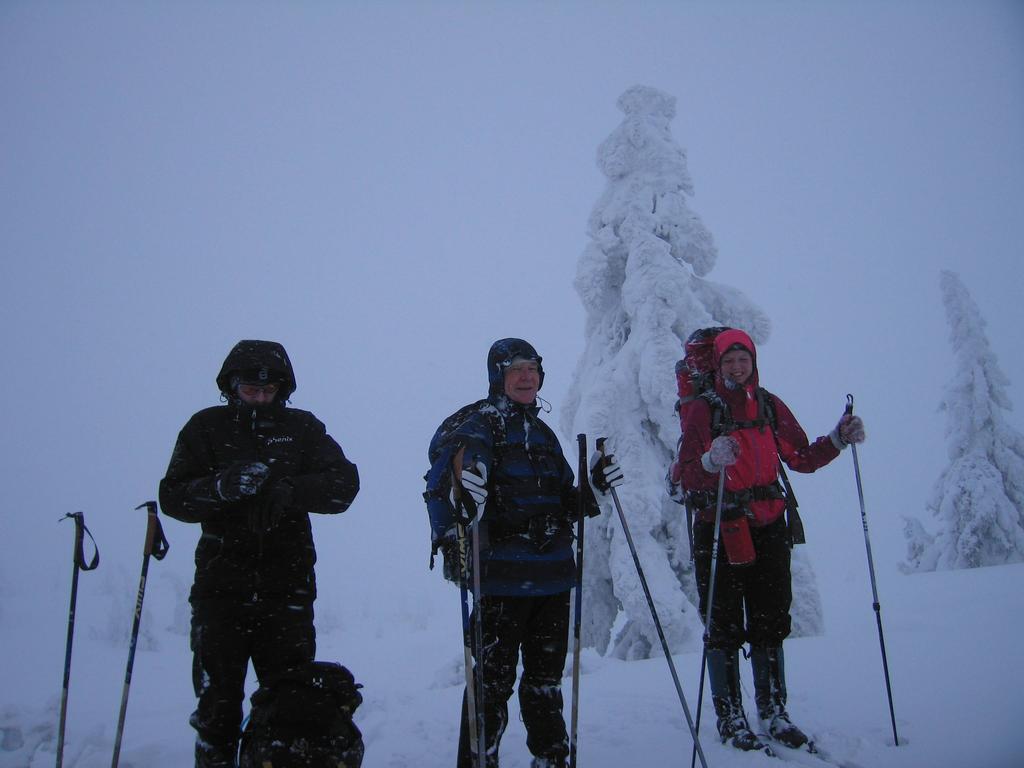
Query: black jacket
<point x="233" y="561"/>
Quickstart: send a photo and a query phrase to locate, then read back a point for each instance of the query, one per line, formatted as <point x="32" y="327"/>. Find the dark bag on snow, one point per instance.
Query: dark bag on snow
<point x="305" y="720"/>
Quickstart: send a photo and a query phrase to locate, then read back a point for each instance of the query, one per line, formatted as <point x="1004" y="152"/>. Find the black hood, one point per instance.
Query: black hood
<point x="256" y="360"/>
<point x="501" y="355"/>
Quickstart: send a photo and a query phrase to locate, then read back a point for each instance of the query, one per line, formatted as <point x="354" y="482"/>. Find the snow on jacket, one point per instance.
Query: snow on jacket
<point x="232" y="560"/>
<point x="758" y="463"/>
<point x="531" y="506"/>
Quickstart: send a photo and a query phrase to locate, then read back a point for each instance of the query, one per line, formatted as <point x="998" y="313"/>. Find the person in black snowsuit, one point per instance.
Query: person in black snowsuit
<point x="250" y="472"/>
<point x="522" y="486"/>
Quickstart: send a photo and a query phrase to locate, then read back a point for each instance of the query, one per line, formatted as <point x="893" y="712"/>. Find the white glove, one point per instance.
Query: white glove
<point x="850" y="429"/>
<point x="475" y="481"/>
<point x="724" y="452"/>
<point x="605" y="472"/>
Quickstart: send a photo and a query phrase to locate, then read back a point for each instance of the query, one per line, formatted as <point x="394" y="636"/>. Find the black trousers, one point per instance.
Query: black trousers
<point x="277" y="637"/>
<point x="539" y="626"/>
<point x="751" y="602"/>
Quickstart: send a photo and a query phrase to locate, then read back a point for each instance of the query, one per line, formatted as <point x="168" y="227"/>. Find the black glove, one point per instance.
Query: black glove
<point x="605" y="472"/>
<point x="241" y="479"/>
<point x="272" y="504"/>
<point x="452" y="565"/>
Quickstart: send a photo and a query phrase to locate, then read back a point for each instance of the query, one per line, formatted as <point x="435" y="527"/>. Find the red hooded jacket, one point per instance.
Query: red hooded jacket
<point x="758" y="463"/>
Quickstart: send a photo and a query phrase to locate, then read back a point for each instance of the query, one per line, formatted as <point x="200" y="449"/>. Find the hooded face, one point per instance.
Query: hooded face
<point x="257" y="365"/>
<point x="502" y="355"/>
<point x="522" y="380"/>
<point x="735" y="358"/>
<point x="736" y="366"/>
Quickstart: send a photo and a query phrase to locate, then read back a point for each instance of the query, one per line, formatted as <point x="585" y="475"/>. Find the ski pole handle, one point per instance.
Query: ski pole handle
<point x="603" y="461"/>
<point x="156" y="543"/>
<point x="81" y="531"/>
<point x="849" y="405"/>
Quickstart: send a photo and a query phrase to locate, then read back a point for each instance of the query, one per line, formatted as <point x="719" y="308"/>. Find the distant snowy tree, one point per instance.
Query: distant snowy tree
<point x="641" y="280"/>
<point x="979" y="498"/>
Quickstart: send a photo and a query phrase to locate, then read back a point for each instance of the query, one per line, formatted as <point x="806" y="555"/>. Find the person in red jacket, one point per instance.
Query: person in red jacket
<point x="745" y="431"/>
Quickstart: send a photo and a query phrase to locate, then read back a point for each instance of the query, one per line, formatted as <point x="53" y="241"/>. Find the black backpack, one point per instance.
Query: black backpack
<point x="442" y="436"/>
<point x="304" y="721"/>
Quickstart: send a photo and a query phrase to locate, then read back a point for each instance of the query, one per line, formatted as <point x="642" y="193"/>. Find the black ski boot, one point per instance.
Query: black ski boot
<point x="724" y="676"/>
<point x="770" y="695"/>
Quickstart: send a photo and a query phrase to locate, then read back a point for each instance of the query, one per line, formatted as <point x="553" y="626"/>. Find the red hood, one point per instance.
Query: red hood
<point x="726" y="339"/>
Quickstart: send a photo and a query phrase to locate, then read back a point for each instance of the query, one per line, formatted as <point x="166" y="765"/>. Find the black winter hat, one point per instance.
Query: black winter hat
<point x="257" y="362"/>
<point x="500" y="357"/>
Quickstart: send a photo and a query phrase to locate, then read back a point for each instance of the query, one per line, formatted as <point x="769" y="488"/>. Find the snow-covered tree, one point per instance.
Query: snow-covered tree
<point x="642" y="281"/>
<point x="979" y="498"/>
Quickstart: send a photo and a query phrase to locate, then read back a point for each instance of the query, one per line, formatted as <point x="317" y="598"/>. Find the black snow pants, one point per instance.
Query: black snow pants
<point x="763" y="589"/>
<point x="278" y="637"/>
<point x="539" y="625"/>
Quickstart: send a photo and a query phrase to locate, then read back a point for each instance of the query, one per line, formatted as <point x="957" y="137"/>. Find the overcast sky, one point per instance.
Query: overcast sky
<point x="388" y="187"/>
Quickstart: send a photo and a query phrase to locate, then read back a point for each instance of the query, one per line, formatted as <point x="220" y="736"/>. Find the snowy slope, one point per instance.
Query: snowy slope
<point x="955" y="674"/>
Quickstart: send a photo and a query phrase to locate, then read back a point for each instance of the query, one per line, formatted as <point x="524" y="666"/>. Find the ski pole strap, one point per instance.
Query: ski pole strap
<point x="80" y="531"/>
<point x="794" y="525"/>
<point x="156" y="542"/>
<point x="465" y="509"/>
<point x="159" y="546"/>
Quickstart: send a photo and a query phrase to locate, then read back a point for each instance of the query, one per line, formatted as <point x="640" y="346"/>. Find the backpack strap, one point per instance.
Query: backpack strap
<point x="722" y="423"/>
<point x="794" y="524"/>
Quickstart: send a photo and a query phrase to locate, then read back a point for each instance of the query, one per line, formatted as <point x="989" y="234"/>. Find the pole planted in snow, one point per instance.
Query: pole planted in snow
<point x="876" y="605"/>
<point x="654" y="616"/>
<point x="156" y="546"/>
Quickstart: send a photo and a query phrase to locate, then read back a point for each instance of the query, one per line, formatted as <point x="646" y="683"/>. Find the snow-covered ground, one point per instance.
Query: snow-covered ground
<point x="955" y="673"/>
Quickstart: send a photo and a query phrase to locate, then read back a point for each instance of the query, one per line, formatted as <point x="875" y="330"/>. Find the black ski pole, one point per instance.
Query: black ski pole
<point x="710" y="601"/>
<point x="581" y="440"/>
<point x="78" y="564"/>
<point x="876" y="605"/>
<point x="472" y="625"/>
<point x="478" y="637"/>
<point x="156" y="546"/>
<point x="654" y="616"/>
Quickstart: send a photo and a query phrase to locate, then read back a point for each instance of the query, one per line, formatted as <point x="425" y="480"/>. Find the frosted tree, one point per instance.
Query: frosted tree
<point x="978" y="499"/>
<point x="641" y="279"/>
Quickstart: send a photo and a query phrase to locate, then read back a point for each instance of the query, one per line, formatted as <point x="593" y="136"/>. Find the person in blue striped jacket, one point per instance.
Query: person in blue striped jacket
<point x="523" y="488"/>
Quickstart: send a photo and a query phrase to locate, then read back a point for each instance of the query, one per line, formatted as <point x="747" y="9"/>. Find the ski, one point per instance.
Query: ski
<point x="810" y="754"/>
<point x="472" y="625"/>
